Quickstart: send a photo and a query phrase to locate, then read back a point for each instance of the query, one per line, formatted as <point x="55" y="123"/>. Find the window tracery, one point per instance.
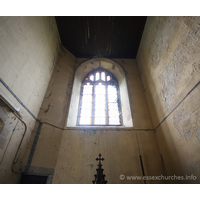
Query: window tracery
<point x="100" y="99"/>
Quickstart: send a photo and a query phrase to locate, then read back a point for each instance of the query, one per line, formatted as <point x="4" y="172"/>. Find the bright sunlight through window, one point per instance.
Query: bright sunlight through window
<point x="99" y="101"/>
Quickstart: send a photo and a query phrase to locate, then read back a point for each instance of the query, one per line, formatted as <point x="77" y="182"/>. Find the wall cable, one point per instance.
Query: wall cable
<point x="25" y="129"/>
<point x="178" y="104"/>
<point x="40" y="125"/>
<point x="8" y="142"/>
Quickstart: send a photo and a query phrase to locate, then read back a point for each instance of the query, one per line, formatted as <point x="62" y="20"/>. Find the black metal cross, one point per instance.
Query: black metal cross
<point x="99" y="177"/>
<point x="100" y="159"/>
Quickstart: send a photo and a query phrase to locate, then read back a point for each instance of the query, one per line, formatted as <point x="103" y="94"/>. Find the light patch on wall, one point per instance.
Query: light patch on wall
<point x="169" y="79"/>
<point x="188" y="134"/>
<point x="161" y="40"/>
<point x="198" y="132"/>
<point x="179" y="67"/>
<point x="186" y="119"/>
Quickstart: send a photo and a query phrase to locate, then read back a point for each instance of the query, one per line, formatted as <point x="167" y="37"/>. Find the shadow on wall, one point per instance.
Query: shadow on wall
<point x="165" y="141"/>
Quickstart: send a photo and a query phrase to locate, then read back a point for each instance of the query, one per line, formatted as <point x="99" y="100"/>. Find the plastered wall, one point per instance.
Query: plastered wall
<point x="71" y="152"/>
<point x="79" y="149"/>
<point x="41" y="73"/>
<point x="169" y="63"/>
<point x="53" y="111"/>
<point x="28" y="50"/>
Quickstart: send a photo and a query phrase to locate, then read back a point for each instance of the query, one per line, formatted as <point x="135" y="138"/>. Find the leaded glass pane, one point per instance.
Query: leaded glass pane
<point x="85" y="121"/>
<point x="86" y="105"/>
<point x="99" y="121"/>
<point x="100" y="104"/>
<point x="97" y="76"/>
<point x="112" y="93"/>
<point x="100" y="107"/>
<point x="92" y="77"/>
<point x="87" y="89"/>
<point x="103" y="76"/>
<point x="113" y="113"/>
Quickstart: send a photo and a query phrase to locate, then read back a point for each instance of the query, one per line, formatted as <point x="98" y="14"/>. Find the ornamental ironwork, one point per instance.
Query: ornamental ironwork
<point x="99" y="177"/>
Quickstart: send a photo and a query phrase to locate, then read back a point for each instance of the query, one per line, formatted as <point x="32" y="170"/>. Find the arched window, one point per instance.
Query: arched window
<point x="80" y="76"/>
<point x="100" y="99"/>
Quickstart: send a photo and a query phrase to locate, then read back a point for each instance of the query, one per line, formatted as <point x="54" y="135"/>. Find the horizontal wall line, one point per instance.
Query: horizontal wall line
<point x="71" y="128"/>
<point x="83" y="128"/>
<point x="92" y="128"/>
<point x="28" y="164"/>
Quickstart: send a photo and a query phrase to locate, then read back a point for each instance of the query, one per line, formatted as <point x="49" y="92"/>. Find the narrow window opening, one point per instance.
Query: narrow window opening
<point x="97" y="76"/>
<point x="108" y="78"/>
<point x="103" y="76"/>
<point x="92" y="77"/>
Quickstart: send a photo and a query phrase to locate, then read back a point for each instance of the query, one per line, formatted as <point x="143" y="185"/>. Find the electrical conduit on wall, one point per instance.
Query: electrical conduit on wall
<point x="41" y="123"/>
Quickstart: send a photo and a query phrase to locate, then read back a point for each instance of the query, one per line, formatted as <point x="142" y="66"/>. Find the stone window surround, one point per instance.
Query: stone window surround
<point x="81" y="72"/>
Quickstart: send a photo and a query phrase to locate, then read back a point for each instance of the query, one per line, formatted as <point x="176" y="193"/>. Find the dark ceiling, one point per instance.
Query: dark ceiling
<point x="108" y="37"/>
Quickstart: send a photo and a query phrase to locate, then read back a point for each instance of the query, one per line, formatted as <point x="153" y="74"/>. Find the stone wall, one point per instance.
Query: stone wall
<point x="53" y="113"/>
<point x="71" y="152"/>
<point x="41" y="74"/>
<point x="28" y="51"/>
<point x="169" y="65"/>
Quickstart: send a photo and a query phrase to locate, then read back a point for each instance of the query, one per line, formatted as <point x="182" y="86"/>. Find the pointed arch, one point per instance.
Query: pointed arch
<point x="80" y="74"/>
<point x="99" y="100"/>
